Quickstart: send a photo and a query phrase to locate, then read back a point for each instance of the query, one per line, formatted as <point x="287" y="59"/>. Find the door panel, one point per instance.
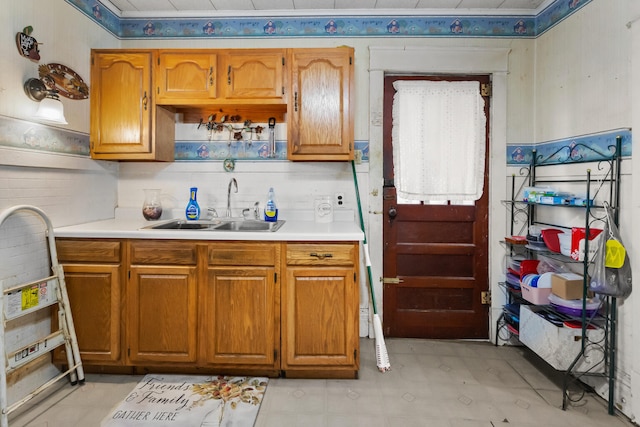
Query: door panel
<point x="436" y="255"/>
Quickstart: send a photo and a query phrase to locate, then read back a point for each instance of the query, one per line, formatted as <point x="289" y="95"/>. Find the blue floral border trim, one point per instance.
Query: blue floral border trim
<point x="553" y="153"/>
<point x="520" y="26"/>
<point x="256" y="151"/>
<point x="33" y="136"/>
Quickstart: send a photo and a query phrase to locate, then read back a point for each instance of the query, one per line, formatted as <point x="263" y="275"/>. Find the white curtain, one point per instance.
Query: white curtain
<point x="438" y="140"/>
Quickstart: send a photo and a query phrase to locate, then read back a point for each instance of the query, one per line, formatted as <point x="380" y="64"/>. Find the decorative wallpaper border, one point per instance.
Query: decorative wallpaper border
<point x="34" y="136"/>
<point x="603" y="142"/>
<point x="255" y="151"/>
<point x="511" y="26"/>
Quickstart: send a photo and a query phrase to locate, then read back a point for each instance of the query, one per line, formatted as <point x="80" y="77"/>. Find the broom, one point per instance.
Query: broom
<point x="382" y="357"/>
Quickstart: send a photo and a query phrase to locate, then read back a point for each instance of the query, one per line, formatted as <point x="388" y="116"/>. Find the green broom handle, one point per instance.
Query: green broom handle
<point x="366" y="247"/>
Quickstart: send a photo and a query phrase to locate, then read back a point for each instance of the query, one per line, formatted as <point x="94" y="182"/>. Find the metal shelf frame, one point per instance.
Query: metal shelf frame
<point x="608" y="166"/>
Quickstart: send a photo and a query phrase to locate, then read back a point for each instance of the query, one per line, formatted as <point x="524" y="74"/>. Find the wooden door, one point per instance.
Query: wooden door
<point x="183" y="77"/>
<point x="121" y="105"/>
<point x="239" y="317"/>
<point x="253" y="74"/>
<point x="435" y="256"/>
<point x="320" y="113"/>
<point x="162" y="314"/>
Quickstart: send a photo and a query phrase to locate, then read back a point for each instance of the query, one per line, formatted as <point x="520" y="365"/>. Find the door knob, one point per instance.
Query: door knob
<point x="393" y="212"/>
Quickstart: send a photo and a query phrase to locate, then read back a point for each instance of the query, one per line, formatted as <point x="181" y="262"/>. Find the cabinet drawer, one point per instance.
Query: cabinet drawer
<point x="254" y="254"/>
<point x="321" y="254"/>
<point x="82" y="250"/>
<point x="163" y="252"/>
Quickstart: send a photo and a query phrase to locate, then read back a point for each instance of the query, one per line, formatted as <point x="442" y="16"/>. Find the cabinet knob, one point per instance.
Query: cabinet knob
<point x="393" y="212"/>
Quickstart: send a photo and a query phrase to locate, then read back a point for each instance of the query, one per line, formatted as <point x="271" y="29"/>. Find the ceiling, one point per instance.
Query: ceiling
<point x="165" y="8"/>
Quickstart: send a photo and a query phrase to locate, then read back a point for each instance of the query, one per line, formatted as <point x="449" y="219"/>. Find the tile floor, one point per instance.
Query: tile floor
<point x="432" y="383"/>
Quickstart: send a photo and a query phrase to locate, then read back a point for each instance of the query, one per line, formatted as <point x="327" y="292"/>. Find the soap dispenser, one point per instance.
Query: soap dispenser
<point x="270" y="208"/>
<point x="193" y="209"/>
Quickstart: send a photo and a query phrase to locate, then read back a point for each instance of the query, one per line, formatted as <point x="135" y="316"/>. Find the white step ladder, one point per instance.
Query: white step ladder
<point x="26" y="298"/>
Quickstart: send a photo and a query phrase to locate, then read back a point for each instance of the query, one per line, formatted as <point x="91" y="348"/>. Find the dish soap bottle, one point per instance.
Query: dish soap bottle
<point x="193" y="209"/>
<point x="270" y="209"/>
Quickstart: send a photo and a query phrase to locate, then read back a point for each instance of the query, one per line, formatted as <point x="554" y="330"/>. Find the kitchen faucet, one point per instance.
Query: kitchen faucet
<point x="233" y="182"/>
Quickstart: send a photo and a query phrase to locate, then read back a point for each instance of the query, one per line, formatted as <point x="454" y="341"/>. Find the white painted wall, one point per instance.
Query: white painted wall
<point x="584" y="82"/>
<point x="69" y="189"/>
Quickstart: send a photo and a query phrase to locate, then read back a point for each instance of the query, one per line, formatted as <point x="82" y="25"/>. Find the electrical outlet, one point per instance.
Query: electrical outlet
<point x="339" y="200"/>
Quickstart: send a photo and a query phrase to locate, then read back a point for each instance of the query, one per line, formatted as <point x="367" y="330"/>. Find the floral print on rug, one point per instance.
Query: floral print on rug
<point x="190" y="401"/>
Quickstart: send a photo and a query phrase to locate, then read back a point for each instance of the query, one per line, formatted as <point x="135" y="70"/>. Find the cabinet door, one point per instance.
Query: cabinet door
<point x="253" y="75"/>
<point x="186" y="76"/>
<point x="121" y="102"/>
<point x="162" y="314"/>
<point x="240" y="318"/>
<point x="94" y="295"/>
<point x="125" y="123"/>
<point x="320" y="319"/>
<point x="320" y="105"/>
<point x="93" y="277"/>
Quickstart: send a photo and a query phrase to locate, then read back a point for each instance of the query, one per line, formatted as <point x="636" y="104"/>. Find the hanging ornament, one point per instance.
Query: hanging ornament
<point x="27" y="45"/>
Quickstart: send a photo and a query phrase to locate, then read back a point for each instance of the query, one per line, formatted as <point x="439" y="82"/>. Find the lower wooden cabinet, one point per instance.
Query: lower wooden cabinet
<point x="162" y="314"/>
<point x="217" y="307"/>
<point x="320" y="317"/>
<point x="161" y="302"/>
<point x="239" y="307"/>
<point x="93" y="275"/>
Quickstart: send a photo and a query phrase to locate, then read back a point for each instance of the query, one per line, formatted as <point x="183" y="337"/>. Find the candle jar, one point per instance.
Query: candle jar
<point x="151" y="208"/>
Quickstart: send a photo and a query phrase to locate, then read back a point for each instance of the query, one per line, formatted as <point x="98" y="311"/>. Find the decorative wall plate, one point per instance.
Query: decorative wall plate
<point x="63" y="79"/>
<point x="28" y="45"/>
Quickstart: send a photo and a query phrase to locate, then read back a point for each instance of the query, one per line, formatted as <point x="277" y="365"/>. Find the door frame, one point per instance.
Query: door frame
<point x="437" y="60"/>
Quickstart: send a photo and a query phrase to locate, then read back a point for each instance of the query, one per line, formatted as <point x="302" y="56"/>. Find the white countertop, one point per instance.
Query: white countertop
<point x="291" y="230"/>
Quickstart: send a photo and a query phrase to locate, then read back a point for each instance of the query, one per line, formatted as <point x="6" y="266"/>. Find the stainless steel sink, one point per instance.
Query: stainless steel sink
<point x="249" y="225"/>
<point x="181" y="224"/>
<point x="218" y="225"/>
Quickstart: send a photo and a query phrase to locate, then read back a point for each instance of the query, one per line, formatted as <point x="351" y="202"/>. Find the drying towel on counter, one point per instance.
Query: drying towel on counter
<point x="438" y="139"/>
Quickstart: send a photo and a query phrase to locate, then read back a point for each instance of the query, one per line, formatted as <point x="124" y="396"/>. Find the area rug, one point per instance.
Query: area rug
<point x="190" y="401"/>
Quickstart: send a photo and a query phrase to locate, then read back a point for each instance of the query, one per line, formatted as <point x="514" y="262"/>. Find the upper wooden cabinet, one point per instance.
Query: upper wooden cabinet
<point x="136" y="93"/>
<point x="185" y="76"/>
<point x="254" y="75"/>
<point x="320" y="113"/>
<point x="221" y="77"/>
<point x="125" y="122"/>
